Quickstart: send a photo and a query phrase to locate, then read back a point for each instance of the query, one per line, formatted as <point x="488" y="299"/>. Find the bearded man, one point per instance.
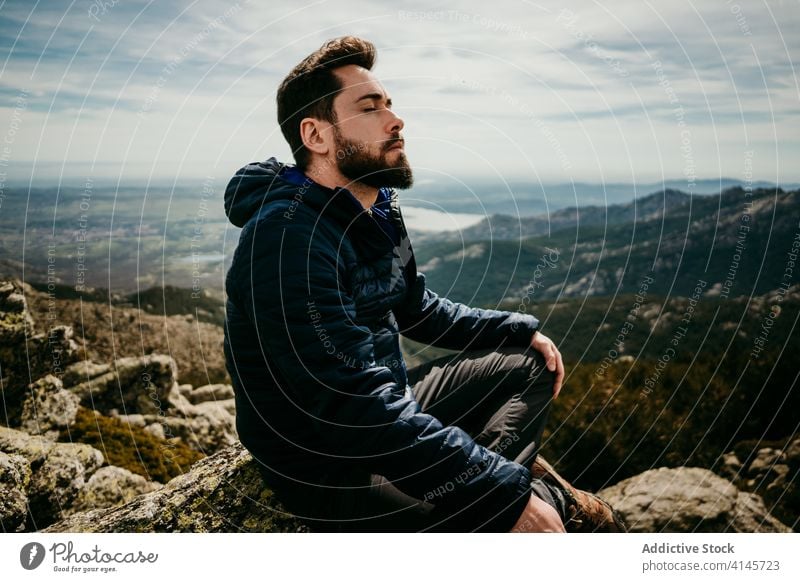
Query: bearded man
<point x="322" y="284"/>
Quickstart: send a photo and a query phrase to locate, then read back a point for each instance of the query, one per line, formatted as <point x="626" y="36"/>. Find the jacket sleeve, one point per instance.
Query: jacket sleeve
<point x="425" y="317"/>
<point x="307" y="325"/>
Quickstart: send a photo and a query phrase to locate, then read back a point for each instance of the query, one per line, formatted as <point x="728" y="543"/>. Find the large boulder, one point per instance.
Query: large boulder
<point x="59" y="472"/>
<point x="132" y="385"/>
<point x="221" y="493"/>
<point x="83" y="371"/>
<point x="210" y="393"/>
<point x="688" y="499"/>
<point x="111" y="486"/>
<point x="15" y="477"/>
<point x="48" y="408"/>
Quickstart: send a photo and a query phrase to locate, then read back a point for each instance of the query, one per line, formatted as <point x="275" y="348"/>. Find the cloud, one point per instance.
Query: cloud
<point x="191" y="85"/>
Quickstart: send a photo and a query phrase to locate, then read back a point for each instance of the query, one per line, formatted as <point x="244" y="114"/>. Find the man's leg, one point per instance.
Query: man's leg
<point x="501" y="397"/>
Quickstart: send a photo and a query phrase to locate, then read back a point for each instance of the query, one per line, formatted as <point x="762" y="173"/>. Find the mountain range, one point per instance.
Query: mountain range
<point x="735" y="243"/>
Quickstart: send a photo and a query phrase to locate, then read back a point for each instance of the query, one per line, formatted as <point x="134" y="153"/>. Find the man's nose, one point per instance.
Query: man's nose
<point x="396" y="124"/>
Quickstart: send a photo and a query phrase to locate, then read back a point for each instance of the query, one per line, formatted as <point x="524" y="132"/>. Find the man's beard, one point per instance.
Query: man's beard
<point x="359" y="165"/>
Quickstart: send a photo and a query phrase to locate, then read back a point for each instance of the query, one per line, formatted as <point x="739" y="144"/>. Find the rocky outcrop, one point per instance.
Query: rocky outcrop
<point x="59" y="472"/>
<point x="771" y="470"/>
<point x="144" y="392"/>
<point x="42" y="482"/>
<point x="46" y="392"/>
<point x="132" y="385"/>
<point x="222" y="493"/>
<point x="688" y="499"/>
<point x="206" y="427"/>
<point x="15" y="477"/>
<point x="25" y="355"/>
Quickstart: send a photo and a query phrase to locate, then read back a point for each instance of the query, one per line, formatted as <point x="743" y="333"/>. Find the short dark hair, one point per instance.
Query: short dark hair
<point x="310" y="88"/>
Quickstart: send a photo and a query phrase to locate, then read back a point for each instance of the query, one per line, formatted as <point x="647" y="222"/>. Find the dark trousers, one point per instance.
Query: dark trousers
<point x="500" y="397"/>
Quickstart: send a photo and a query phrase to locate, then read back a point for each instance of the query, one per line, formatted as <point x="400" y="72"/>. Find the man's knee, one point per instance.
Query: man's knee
<point x="525" y="368"/>
<point x="532" y="363"/>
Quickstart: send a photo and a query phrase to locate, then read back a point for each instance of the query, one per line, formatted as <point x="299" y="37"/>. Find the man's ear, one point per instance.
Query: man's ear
<point x="314" y="135"/>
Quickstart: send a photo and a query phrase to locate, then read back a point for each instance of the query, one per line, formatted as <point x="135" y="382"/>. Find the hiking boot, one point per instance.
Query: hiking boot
<point x="586" y="512"/>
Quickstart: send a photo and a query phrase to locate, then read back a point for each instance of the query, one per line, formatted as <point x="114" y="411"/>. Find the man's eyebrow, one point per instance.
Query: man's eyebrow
<point x="377" y="96"/>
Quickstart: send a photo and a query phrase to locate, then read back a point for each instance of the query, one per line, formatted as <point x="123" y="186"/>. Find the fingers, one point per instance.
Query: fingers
<point x="559" y="376"/>
<point x="552" y="357"/>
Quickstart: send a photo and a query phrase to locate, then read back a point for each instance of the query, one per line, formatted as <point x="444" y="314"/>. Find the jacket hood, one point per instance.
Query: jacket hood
<point x="249" y="188"/>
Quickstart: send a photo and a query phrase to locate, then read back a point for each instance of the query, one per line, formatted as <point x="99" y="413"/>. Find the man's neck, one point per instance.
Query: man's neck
<point x="332" y="178"/>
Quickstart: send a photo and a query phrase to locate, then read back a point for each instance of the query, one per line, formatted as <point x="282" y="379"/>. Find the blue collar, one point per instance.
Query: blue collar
<point x="380" y="210"/>
<point x="382" y="205"/>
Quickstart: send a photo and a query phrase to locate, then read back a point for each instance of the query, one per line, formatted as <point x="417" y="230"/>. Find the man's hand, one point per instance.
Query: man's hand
<point x="552" y="357"/>
<point x="538" y="516"/>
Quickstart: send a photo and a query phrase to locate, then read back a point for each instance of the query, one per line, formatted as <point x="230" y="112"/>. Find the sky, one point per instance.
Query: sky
<point x="556" y="92"/>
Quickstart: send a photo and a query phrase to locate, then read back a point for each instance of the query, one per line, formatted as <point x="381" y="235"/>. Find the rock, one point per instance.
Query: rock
<point x="731" y="466"/>
<point x="135" y="385"/>
<point x="685" y="499"/>
<point x="229" y="406"/>
<point x="206" y="429"/>
<point x="210" y="392"/>
<point x="781" y="473"/>
<point x="792" y="452"/>
<point x="16" y="322"/>
<point x="10" y="301"/>
<point x="59" y="472"/>
<point x="111" y="486"/>
<point x="48" y="408"/>
<point x="185" y="389"/>
<point x="751" y="515"/>
<point x="83" y="371"/>
<point x="157" y="430"/>
<point x="179" y="404"/>
<point x="15" y="477"/>
<point x="764" y="461"/>
<point x="133" y="419"/>
<point x="221" y="493"/>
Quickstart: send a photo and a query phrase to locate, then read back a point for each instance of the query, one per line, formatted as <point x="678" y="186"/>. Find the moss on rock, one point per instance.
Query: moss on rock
<point x="131" y="447"/>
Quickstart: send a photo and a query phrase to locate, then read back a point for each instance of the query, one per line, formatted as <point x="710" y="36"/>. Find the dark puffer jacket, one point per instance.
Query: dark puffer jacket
<point x="317" y="295"/>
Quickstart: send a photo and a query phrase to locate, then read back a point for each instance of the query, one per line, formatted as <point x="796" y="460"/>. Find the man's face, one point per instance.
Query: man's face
<point x="368" y="145"/>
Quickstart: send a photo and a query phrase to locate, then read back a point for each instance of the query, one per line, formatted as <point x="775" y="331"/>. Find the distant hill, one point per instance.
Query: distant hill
<point x="674" y="238"/>
<point x="528" y="198"/>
